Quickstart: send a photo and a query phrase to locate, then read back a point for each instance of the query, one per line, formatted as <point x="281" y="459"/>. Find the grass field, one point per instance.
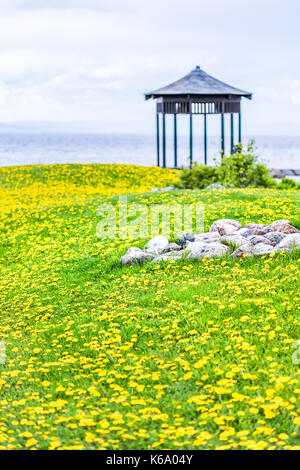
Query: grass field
<point x="188" y="355"/>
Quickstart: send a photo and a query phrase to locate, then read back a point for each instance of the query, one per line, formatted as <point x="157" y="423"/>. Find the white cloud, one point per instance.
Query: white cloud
<point x="295" y="92"/>
<point x="55" y="4"/>
<point x="94" y="59"/>
<point x="3" y="94"/>
<point x="104" y="73"/>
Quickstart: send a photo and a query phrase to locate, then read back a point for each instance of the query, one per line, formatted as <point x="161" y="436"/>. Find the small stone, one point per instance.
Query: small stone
<point x="231" y="234"/>
<point x="156" y="245"/>
<point x="262" y="249"/>
<point x="242" y="231"/>
<point x="172" y="247"/>
<point x="155" y="250"/>
<point x="195" y="246"/>
<point x="175" y="255"/>
<point x="250" y="232"/>
<point x="133" y="249"/>
<point x="135" y="257"/>
<point x="279" y="221"/>
<point x="185" y="237"/>
<point x="207" y="237"/>
<point x="264" y="230"/>
<point x="247" y="232"/>
<point x="275" y="237"/>
<point x="289" y="242"/>
<point x="200" y="250"/>
<point x="246" y="249"/>
<point x="261" y="231"/>
<point x="225" y="226"/>
<point x="234" y="239"/>
<point x="283" y="226"/>
<point x="255" y="239"/>
<point x="255" y="226"/>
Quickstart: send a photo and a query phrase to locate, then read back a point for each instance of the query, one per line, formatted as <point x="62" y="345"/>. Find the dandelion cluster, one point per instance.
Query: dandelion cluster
<point x="188" y="355"/>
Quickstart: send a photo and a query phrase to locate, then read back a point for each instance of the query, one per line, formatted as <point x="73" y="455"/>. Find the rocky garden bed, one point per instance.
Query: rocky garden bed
<point x="226" y="237"/>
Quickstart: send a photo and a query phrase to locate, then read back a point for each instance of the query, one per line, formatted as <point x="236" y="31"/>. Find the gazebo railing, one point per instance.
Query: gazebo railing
<point x="192" y="107"/>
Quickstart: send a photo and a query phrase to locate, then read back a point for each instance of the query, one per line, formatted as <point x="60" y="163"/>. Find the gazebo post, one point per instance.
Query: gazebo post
<point x="157" y="140"/>
<point x="222" y="135"/>
<point x="231" y="133"/>
<point x="164" y="140"/>
<point x="205" y="139"/>
<point x="191" y="139"/>
<point x="175" y="140"/>
<point x="240" y="127"/>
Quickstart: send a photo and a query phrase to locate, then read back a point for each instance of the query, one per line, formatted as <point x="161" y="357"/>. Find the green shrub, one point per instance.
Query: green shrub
<point x="241" y="169"/>
<point x="199" y="176"/>
<point x="287" y="183"/>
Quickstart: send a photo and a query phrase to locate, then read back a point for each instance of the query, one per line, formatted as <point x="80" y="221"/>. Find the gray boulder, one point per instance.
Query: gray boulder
<point x="253" y="226"/>
<point x="208" y="237"/>
<point x="133" y="249"/>
<point x="236" y="240"/>
<point x="275" y="237"/>
<point x="245" y="249"/>
<point x="289" y="242"/>
<point x="250" y="232"/>
<point x="156" y="245"/>
<point x="155" y="251"/>
<point x="246" y="232"/>
<point x="174" y="255"/>
<point x="255" y="239"/>
<point x="283" y="226"/>
<point x="225" y="226"/>
<point x="135" y="256"/>
<point x="262" y="249"/>
<point x="242" y="231"/>
<point x="200" y="250"/>
<point x="172" y="247"/>
<point x="266" y="229"/>
<point x="185" y="237"/>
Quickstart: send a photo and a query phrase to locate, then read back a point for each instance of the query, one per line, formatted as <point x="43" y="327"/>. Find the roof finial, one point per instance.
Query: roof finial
<point x="197" y="67"/>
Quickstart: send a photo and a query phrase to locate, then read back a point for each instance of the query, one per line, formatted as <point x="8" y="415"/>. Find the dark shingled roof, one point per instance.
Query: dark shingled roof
<point x="197" y="82"/>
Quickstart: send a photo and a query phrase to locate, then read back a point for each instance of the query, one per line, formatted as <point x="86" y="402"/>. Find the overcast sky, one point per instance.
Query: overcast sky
<point x="90" y="61"/>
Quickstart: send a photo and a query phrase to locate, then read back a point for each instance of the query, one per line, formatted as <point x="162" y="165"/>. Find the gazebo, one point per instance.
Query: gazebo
<point x="197" y="93"/>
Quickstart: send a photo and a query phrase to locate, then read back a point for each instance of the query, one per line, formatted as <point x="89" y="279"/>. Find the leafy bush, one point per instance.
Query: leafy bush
<point x="240" y="169"/>
<point x="199" y="176"/>
<point x="287" y="183"/>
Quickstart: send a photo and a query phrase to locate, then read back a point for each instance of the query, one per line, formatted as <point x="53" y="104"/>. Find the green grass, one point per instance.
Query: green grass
<point x="185" y="355"/>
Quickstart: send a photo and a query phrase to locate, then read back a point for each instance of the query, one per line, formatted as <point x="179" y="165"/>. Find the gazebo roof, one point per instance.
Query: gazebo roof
<point x="198" y="83"/>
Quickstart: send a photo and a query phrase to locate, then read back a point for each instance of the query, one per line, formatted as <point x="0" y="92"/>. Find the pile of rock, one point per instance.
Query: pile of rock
<point x="225" y="237"/>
